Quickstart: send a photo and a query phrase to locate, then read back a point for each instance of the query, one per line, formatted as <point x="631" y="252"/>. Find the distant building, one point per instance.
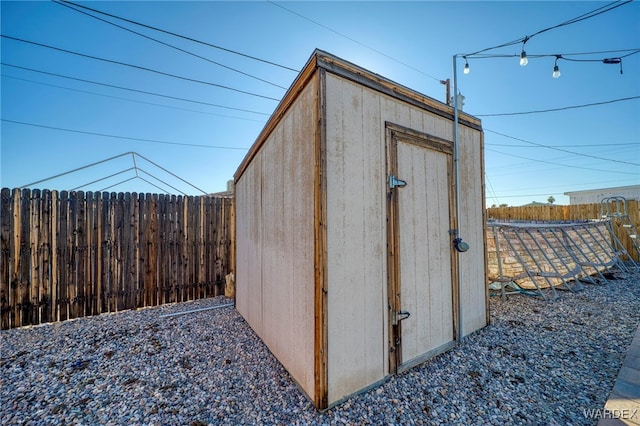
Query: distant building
<point x="535" y="203"/>
<point x="228" y="193"/>
<point x="591" y="196"/>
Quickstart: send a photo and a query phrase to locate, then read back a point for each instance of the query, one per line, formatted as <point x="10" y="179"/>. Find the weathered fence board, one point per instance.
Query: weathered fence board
<point x="572" y="213"/>
<point x="72" y="254"/>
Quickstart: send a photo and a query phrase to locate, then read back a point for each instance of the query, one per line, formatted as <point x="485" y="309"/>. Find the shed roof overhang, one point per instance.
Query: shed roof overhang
<point x="335" y="65"/>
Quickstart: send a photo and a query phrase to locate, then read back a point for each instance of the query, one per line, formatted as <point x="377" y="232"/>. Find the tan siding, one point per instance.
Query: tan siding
<point x="472" y="263"/>
<point x="248" y="247"/>
<point x="275" y="279"/>
<point x="356" y="216"/>
<point x="356" y="236"/>
<point x="276" y="247"/>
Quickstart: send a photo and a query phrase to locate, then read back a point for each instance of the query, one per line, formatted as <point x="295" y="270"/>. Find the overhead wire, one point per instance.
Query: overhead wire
<point x="133" y="90"/>
<point x="235" y="52"/>
<point x="566" y="146"/>
<point x="558" y="109"/>
<point x="137" y="67"/>
<point x="121" y="137"/>
<point x="519" y="189"/>
<point x="561" y="164"/>
<point x="169" y="45"/>
<point x="561" y="149"/>
<point x="355" y="41"/>
<point x="130" y="100"/>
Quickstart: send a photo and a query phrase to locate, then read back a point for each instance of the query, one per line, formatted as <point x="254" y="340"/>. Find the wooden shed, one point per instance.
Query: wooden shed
<point x="347" y="219"/>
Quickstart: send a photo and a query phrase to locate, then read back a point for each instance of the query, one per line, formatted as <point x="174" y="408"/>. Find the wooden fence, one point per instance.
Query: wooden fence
<point x="73" y="254"/>
<point x="572" y="213"/>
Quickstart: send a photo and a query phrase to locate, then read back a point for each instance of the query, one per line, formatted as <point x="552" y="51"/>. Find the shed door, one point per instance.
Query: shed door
<point x="421" y="278"/>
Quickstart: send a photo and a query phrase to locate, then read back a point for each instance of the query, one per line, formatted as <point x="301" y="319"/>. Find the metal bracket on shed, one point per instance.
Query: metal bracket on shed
<point x="395" y="182"/>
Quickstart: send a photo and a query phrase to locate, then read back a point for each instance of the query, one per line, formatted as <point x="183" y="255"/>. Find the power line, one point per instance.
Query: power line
<point x="561" y="164"/>
<point x="558" y="109"/>
<point x="169" y="45"/>
<point x="555" y="187"/>
<point x="120" y="137"/>
<point x="561" y="150"/>
<point x="183" y="37"/>
<point x="566" y="146"/>
<point x="354" y="40"/>
<point x="130" y="100"/>
<point x="132" y="90"/>
<point x="137" y="67"/>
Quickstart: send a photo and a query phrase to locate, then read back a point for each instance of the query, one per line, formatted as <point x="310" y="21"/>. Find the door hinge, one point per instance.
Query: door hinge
<point x="395" y="182"/>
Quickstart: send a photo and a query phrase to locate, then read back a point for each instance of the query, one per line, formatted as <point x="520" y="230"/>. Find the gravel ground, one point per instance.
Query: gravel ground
<point x="537" y="363"/>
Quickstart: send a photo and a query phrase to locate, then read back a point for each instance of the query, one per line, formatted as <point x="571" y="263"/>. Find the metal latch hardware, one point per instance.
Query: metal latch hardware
<point x="399" y="316"/>
<point x="395" y="182"/>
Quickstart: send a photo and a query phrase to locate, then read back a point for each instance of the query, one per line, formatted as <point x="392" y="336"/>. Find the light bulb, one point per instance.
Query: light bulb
<point x="523" y="59"/>
<point x="466" y="68"/>
<point x="556" y="72"/>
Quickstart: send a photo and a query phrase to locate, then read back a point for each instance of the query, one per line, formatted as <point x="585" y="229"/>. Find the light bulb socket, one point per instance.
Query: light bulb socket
<point x="523" y="59"/>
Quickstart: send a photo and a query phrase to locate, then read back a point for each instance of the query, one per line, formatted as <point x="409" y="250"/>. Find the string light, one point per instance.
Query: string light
<point x="556" y="69"/>
<point x="523" y="59"/>
<point x="523" y="55"/>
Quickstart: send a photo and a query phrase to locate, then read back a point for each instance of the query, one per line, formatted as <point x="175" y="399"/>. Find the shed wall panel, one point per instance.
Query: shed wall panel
<point x="249" y="246"/>
<point x="472" y="223"/>
<point x="356" y="255"/>
<point x="275" y="278"/>
<point x="356" y="216"/>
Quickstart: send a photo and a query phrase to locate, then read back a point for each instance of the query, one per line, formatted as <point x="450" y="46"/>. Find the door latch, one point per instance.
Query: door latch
<point x="395" y="182"/>
<point x="399" y="316"/>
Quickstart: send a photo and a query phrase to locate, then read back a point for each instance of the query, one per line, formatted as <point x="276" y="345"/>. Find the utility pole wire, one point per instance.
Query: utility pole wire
<point x="354" y="40"/>
<point x="560" y="164"/>
<point x="137" y="67"/>
<point x="562" y="150"/>
<point x="183" y="37"/>
<point x="120" y="137"/>
<point x="558" y="109"/>
<point x="170" y="45"/>
<point x="131" y="100"/>
<point x="132" y="90"/>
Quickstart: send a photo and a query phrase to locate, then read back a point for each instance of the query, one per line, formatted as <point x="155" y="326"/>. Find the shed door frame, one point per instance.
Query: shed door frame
<point x="394" y="134"/>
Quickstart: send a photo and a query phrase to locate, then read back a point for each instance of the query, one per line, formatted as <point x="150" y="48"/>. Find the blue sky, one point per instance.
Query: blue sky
<point x="52" y="122"/>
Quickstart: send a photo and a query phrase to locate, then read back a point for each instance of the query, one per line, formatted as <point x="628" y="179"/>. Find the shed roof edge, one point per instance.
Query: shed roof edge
<point x="338" y="66"/>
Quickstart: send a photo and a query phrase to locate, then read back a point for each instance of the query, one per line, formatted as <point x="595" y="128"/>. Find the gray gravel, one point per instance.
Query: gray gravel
<point x="537" y="363"/>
